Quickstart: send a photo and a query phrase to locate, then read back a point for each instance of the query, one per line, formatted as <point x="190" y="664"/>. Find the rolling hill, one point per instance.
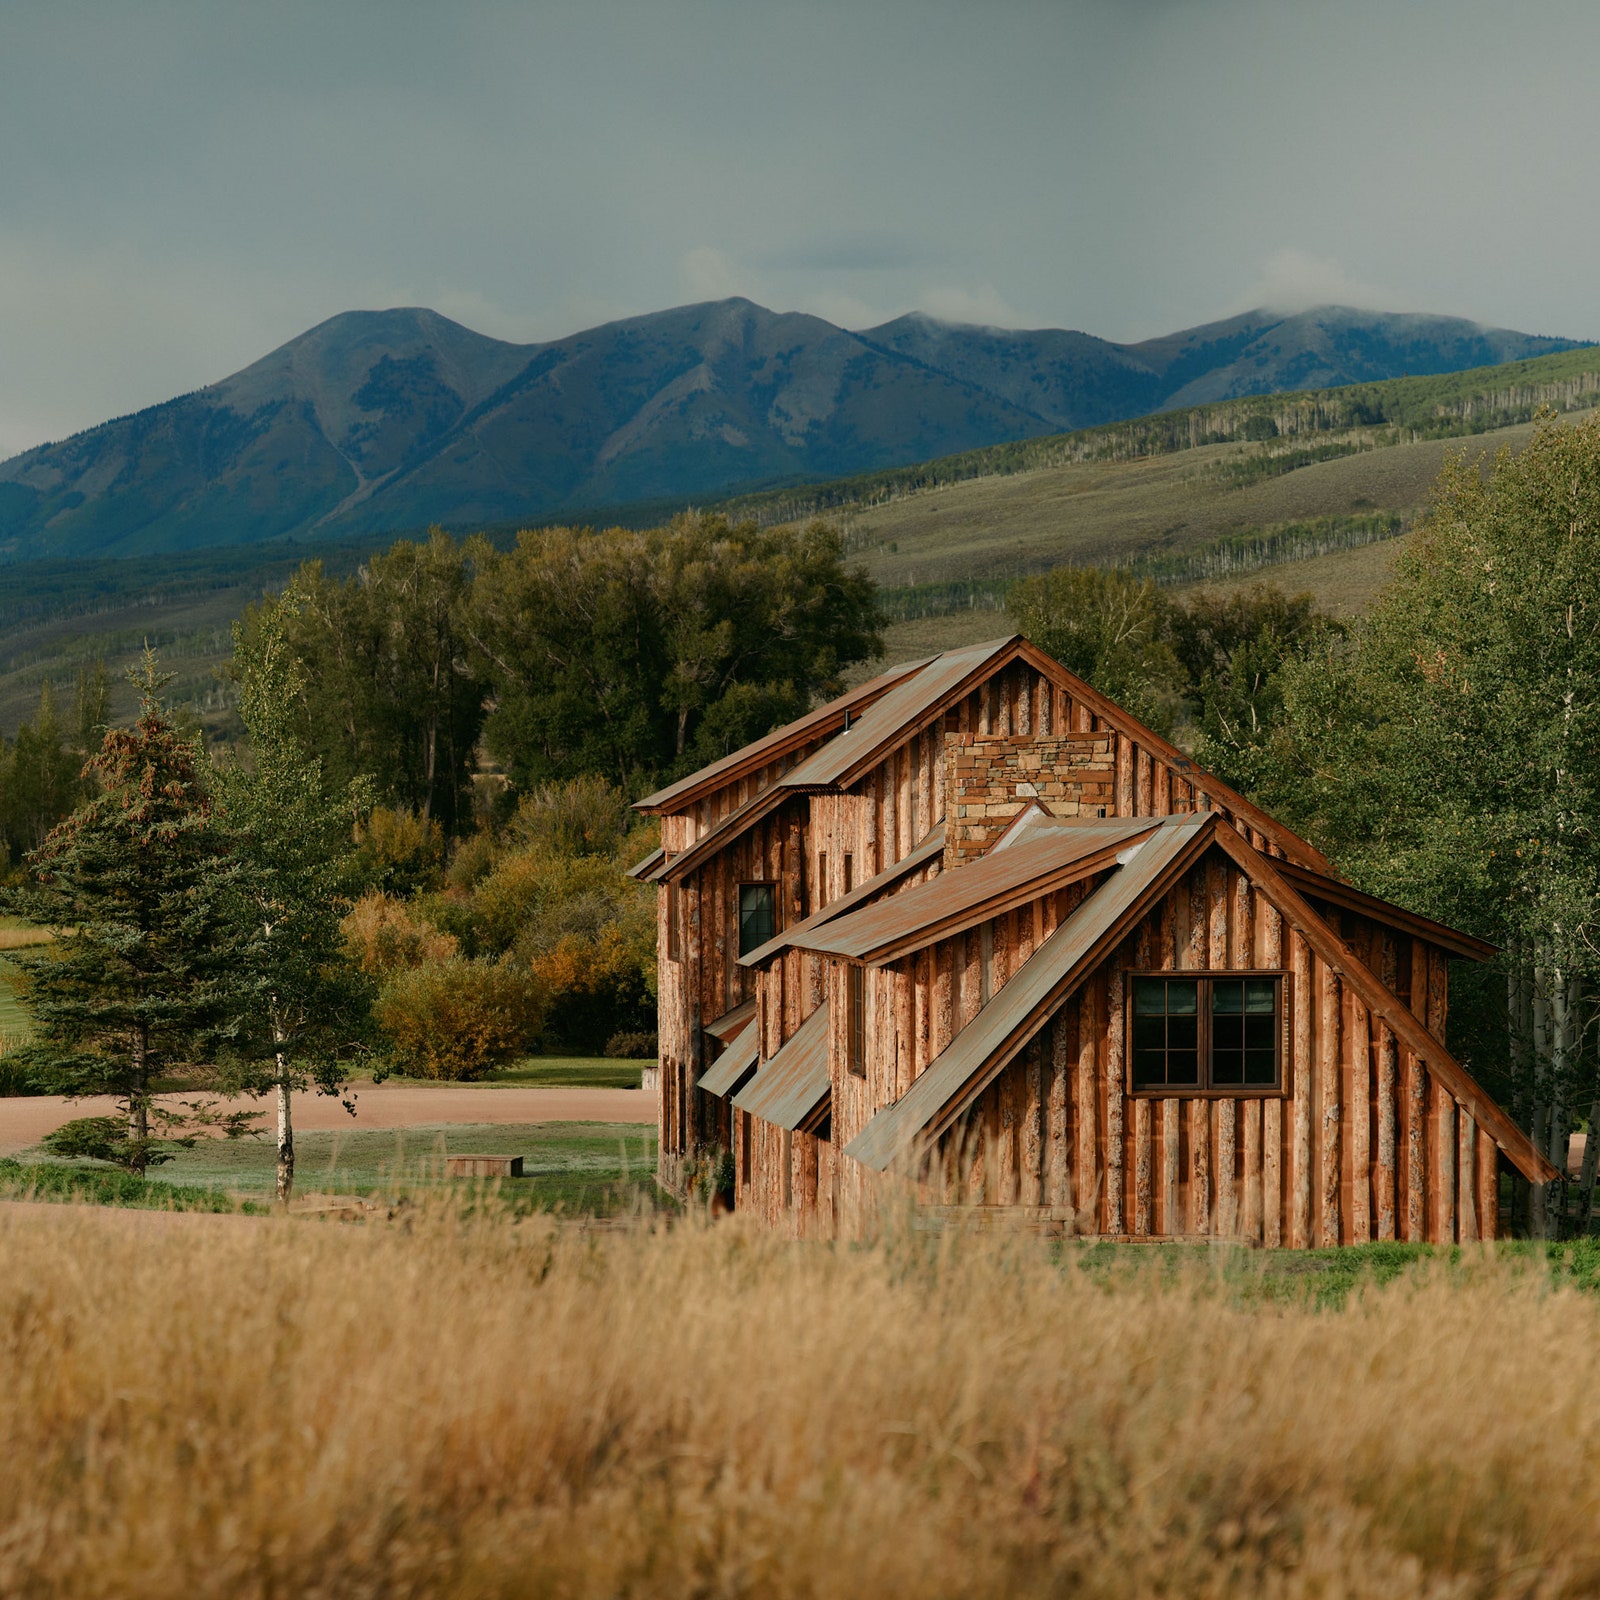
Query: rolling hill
<point x="377" y="422"/>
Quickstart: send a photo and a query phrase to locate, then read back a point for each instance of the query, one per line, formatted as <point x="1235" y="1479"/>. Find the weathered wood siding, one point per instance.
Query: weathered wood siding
<point x="1362" y="1145"/>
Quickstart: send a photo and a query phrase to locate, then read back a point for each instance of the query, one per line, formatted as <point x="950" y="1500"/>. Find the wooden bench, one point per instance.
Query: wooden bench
<point x="483" y="1166"/>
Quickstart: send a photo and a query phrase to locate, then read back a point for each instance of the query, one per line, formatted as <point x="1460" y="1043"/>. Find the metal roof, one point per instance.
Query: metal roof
<point x="730" y="1024"/>
<point x="1046" y="856"/>
<point x="764" y="750"/>
<point x="896" y="716"/>
<point x="792" y="1087"/>
<point x="676" y="866"/>
<point x="728" y="1071"/>
<point x="643" y="869"/>
<point x="971" y="1061"/>
<point x="932" y="845"/>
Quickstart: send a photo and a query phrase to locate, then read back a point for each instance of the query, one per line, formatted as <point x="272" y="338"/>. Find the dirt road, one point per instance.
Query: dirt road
<point x="24" y="1122"/>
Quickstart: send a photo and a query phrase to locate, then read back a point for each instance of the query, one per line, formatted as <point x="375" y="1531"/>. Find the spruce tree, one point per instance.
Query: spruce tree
<point x="138" y="984"/>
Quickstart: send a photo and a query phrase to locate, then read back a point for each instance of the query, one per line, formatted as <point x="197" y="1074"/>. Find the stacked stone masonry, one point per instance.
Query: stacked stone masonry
<point x="989" y="780"/>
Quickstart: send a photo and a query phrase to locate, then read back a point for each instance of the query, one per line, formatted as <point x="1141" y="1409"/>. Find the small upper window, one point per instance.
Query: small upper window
<point x="856" y="1008"/>
<point x="758" y="903"/>
<point x="1219" y="1034"/>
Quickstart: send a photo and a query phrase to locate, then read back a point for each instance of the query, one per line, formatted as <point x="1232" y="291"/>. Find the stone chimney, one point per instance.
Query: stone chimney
<point x="989" y="780"/>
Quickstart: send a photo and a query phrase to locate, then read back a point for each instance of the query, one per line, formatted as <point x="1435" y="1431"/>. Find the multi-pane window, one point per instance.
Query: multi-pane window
<point x="1192" y="1034"/>
<point x="758" y="915"/>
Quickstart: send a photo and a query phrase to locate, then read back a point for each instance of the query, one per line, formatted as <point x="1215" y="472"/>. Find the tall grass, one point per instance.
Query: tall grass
<point x="240" y="1407"/>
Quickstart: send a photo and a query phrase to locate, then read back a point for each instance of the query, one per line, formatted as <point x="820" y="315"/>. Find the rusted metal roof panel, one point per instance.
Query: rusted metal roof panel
<point x="895" y="717"/>
<point x="815" y="724"/>
<point x="932" y="845"/>
<point x="643" y="869"/>
<point x="790" y="1089"/>
<point x="676" y="867"/>
<point x="729" y="1070"/>
<point x="1003" y="1027"/>
<point x="979" y="890"/>
<point x="730" y="1024"/>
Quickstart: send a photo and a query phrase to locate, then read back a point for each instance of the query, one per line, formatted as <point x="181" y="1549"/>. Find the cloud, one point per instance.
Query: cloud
<point x="709" y="274"/>
<point x="1295" y="280"/>
<point x="985" y="306"/>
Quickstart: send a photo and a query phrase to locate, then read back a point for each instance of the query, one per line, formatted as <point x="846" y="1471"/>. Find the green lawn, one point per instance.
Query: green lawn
<point x="14" y="934"/>
<point x="570" y="1072"/>
<point x="585" y="1168"/>
<point x="13" y="1019"/>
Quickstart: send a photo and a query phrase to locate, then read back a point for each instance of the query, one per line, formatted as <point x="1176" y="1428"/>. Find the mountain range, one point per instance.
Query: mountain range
<point x="378" y="421"/>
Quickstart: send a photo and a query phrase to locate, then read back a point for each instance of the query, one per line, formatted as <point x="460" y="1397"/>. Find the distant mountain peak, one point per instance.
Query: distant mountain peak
<point x="385" y="420"/>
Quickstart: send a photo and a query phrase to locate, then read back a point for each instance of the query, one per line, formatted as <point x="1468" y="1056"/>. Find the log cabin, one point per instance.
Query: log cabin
<point x="972" y="936"/>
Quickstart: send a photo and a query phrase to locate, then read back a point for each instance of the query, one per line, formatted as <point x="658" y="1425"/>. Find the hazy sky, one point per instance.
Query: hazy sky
<point x="184" y="186"/>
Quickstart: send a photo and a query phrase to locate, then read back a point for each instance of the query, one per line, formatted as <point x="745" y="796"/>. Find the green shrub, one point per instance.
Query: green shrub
<point x="400" y="852"/>
<point x="382" y="936"/>
<point x="632" y="1046"/>
<point x="458" y="1018"/>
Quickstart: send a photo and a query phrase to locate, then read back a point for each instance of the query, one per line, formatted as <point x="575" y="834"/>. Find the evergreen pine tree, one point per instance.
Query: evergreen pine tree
<point x="138" y="982"/>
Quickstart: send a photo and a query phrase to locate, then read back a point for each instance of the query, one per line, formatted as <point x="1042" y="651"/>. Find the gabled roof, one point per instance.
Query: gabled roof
<point x="981" y="1050"/>
<point x="976" y="1056"/>
<point x="792" y="1089"/>
<point x="896" y="705"/>
<point x="730" y="1069"/>
<point x="932" y="845"/>
<point x="1045" y="857"/>
<point x="1203" y="782"/>
<point x="814" y="725"/>
<point x="899" y="714"/>
<point x="644" y="869"/>
<point x="671" y="869"/>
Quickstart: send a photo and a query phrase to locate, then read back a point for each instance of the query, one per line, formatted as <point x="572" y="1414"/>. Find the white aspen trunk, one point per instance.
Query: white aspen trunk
<point x="285" y="1136"/>
<point x="285" y="1117"/>
<point x="1543" y="1063"/>
<point x="138" y="1101"/>
<point x="1591" y="1166"/>
<point x="1564" y="1026"/>
<point x="1519" y="1025"/>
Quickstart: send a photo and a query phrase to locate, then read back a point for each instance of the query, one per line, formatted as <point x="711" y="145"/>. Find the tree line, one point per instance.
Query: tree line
<point x="633" y="655"/>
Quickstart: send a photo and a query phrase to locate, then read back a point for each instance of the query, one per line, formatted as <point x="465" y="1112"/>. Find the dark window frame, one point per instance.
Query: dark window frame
<point x="1279" y="1089"/>
<point x="772" y="887"/>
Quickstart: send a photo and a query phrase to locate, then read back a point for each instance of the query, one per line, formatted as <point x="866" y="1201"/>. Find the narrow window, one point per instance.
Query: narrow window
<point x="672" y="922"/>
<point x="758" y="911"/>
<point x="1219" y="1034"/>
<point x="857" y="1019"/>
<point x="849" y="872"/>
<point x="744" y="1147"/>
<point x="822" y="880"/>
<point x="985" y="963"/>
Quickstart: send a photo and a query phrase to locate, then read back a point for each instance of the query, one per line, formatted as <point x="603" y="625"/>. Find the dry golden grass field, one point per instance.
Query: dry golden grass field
<point x="243" y="1408"/>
